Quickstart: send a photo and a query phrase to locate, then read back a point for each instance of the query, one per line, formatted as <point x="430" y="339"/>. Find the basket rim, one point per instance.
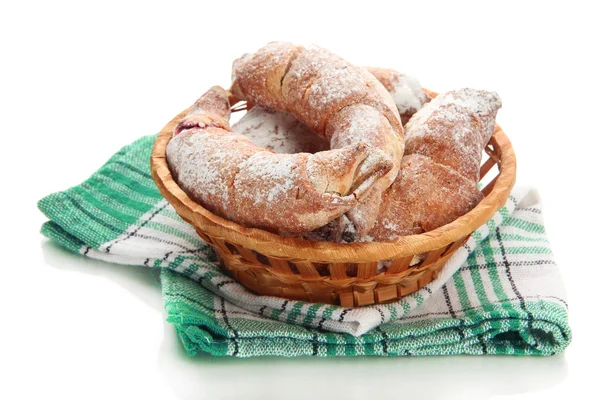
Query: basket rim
<point x="291" y="248"/>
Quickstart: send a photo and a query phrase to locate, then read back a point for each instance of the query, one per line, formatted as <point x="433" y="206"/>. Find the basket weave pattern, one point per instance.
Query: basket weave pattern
<point x="324" y="272"/>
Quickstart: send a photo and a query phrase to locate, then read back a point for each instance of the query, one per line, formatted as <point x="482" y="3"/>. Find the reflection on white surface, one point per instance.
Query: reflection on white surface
<point x="141" y="281"/>
<point x="210" y="377"/>
<point x="361" y="377"/>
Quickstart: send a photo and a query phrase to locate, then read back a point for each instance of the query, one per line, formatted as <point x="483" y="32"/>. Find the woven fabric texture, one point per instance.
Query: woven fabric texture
<point x="500" y="293"/>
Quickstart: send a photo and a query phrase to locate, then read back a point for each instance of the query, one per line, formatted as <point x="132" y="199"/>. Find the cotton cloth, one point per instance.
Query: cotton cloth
<point x="500" y="293"/>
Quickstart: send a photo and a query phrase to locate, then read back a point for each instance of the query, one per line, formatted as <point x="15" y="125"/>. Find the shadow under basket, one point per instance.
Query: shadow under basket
<point x="333" y="273"/>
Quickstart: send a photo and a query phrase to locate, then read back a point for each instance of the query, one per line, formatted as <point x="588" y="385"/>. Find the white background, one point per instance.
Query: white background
<point x="80" y="80"/>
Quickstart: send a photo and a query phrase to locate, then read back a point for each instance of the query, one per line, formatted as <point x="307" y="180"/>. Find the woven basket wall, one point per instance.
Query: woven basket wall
<point x="343" y="274"/>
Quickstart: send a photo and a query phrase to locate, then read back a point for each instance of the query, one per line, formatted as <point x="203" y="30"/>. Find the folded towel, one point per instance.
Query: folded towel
<point x="500" y="293"/>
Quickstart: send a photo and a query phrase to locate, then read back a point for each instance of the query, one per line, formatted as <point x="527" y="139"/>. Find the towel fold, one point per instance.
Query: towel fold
<point x="500" y="293"/>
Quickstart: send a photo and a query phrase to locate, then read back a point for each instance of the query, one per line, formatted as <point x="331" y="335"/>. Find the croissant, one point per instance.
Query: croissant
<point x="283" y="133"/>
<point x="285" y="193"/>
<point x="440" y="170"/>
<point x="338" y="101"/>
<point x="405" y="90"/>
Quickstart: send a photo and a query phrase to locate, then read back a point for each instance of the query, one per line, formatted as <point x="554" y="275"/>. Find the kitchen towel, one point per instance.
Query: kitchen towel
<point x="500" y="293"/>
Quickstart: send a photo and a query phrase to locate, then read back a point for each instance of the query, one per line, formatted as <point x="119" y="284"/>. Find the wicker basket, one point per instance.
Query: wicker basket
<point x="324" y="272"/>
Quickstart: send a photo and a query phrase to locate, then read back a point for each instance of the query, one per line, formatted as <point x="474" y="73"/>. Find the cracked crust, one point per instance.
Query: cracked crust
<point x="332" y="98"/>
<point x="289" y="194"/>
<point x="440" y="170"/>
<point x="427" y="195"/>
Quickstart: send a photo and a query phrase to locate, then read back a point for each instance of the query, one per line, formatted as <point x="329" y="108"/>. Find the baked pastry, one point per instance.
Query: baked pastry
<point x="288" y="194"/>
<point x="353" y="191"/>
<point x="336" y="100"/>
<point x="440" y="170"/>
<point x="405" y="90"/>
<point x="283" y="133"/>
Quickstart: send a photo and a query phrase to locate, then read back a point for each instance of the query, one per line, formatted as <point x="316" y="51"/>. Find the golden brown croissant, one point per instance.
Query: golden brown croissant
<point x="440" y="170"/>
<point x="337" y="100"/>
<point x="283" y="133"/>
<point x="283" y="193"/>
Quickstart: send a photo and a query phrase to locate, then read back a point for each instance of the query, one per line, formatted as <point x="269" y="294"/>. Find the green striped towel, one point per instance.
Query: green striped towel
<point x="500" y="293"/>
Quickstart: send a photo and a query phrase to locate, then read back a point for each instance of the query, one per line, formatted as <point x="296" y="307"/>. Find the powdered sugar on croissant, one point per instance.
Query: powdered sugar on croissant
<point x="454" y="128"/>
<point x="405" y="90"/>
<point x="283" y="133"/>
<point x="440" y="171"/>
<point x="329" y="95"/>
<point x="289" y="194"/>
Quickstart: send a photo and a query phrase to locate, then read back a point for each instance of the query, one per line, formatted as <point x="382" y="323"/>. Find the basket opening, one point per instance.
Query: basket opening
<point x="493" y="172"/>
<point x="262" y="258"/>
<point x="417" y="260"/>
<point x="293" y="267"/>
<point x="236" y="115"/>
<point x="322" y="269"/>
<point x="352" y="270"/>
<point x="231" y="248"/>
